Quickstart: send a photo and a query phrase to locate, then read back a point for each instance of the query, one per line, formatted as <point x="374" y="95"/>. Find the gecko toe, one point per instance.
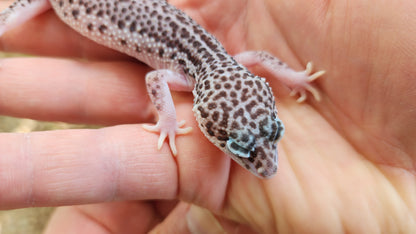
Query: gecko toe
<point x="162" y="138"/>
<point x="316" y="75"/>
<point x="181" y="123"/>
<point x="314" y="92"/>
<point x="183" y="131"/>
<point x="302" y="97"/>
<point x="168" y="132"/>
<point x="172" y="144"/>
<point x="151" y="128"/>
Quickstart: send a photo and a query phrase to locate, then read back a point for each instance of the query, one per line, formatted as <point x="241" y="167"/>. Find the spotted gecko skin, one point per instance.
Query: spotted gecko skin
<point x="234" y="108"/>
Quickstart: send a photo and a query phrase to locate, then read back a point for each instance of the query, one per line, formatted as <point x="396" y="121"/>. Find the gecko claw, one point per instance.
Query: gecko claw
<point x="161" y="139"/>
<point x="302" y="97"/>
<point x="303" y="84"/>
<point x="309" y="67"/>
<point x="169" y="132"/>
<point x="302" y="93"/>
<point x="314" y="93"/>
<point x="308" y="71"/>
<point x="315" y="75"/>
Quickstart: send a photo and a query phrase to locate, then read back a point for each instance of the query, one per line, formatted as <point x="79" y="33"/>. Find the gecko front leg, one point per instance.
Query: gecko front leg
<point x="158" y="83"/>
<point x="297" y="81"/>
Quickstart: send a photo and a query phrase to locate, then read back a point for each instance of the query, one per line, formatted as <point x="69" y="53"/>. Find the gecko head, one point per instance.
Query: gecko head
<point x="252" y="142"/>
<point x="256" y="149"/>
<point x="239" y="116"/>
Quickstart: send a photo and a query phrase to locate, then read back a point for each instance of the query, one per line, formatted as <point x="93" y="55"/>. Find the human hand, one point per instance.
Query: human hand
<point x="345" y="164"/>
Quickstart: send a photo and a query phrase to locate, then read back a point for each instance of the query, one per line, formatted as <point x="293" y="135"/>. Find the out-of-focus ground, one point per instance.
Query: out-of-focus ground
<point x="22" y="221"/>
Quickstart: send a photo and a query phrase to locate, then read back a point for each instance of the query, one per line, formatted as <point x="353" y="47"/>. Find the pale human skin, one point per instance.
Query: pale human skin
<point x="346" y="164"/>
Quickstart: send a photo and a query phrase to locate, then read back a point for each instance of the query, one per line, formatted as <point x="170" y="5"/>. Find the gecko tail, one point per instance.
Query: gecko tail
<point x="20" y="12"/>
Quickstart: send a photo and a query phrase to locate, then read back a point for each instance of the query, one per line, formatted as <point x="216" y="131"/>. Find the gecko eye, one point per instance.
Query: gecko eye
<point x="279" y="129"/>
<point x="237" y="149"/>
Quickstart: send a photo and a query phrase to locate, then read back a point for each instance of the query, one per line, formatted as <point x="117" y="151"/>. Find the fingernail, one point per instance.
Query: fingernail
<point x="202" y="221"/>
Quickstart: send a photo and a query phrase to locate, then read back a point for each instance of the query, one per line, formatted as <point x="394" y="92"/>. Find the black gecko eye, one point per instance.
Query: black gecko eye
<point x="237" y="149"/>
<point x="278" y="130"/>
<point x="243" y="147"/>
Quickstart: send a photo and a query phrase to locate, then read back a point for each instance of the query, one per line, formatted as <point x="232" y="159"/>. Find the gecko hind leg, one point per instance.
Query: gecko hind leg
<point x="158" y="83"/>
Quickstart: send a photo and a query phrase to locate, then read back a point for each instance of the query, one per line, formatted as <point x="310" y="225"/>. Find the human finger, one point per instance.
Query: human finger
<point x="82" y="166"/>
<point x="69" y="167"/>
<point x="74" y="91"/>
<point x="114" y="217"/>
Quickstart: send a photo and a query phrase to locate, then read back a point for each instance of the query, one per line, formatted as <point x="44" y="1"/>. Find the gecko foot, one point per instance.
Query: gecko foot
<point x="169" y="132"/>
<point x="301" y="84"/>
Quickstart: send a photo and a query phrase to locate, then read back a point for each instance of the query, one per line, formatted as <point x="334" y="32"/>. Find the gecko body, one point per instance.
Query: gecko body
<point x="234" y="108"/>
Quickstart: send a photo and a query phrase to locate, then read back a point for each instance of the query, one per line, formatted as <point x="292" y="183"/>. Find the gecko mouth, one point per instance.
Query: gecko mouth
<point x="265" y="164"/>
<point x="262" y="160"/>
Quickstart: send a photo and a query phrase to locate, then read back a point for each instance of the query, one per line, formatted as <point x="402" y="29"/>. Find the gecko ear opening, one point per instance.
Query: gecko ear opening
<point x="237" y="149"/>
